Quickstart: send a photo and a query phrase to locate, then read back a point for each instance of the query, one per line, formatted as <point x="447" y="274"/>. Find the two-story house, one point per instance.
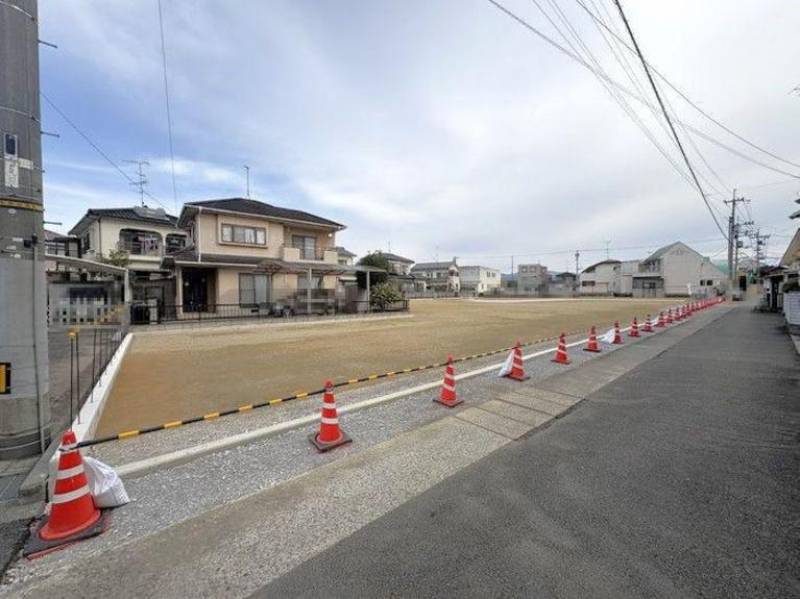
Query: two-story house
<point x="601" y="278"/>
<point x="247" y="254"/>
<point x="142" y="235"/>
<point x="440" y="277"/>
<point x="479" y="279"/>
<point x="677" y="269"/>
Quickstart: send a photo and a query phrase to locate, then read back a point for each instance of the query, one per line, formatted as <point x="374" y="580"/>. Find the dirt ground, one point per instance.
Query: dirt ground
<point x="172" y="376"/>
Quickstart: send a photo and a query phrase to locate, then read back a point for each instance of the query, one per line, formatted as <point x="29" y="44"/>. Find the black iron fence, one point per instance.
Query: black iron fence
<point x="159" y="313"/>
<point x="78" y="357"/>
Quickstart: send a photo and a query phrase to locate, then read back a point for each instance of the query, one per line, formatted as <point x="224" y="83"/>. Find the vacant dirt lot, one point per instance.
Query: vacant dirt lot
<point x="178" y="375"/>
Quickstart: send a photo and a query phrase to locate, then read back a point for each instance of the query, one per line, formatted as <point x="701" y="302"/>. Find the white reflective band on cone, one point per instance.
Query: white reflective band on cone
<point x="71" y="496"/>
<point x="449" y="387"/>
<point x="69" y="472"/>
<point x="326" y="420"/>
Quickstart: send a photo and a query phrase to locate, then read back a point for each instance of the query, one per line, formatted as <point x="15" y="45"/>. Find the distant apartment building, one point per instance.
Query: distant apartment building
<point x="440" y="277"/>
<point x="532" y="278"/>
<point x="479" y="279"/>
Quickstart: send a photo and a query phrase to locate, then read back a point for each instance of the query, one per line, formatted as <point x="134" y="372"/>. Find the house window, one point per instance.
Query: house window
<point x="307" y="246"/>
<point x="253" y="289"/>
<point x="587" y="283"/>
<point x="244" y="235"/>
<point x="175" y="242"/>
<point x="86" y="242"/>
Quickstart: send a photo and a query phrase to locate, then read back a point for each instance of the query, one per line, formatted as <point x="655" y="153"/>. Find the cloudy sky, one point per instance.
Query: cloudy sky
<point x="437" y="128"/>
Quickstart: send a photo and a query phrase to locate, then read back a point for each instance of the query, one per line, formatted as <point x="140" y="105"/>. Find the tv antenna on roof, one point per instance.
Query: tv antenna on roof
<point x="141" y="180"/>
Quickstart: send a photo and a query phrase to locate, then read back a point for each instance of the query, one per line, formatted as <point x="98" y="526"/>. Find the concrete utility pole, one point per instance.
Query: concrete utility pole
<point x="759" y="240"/>
<point x="733" y="241"/>
<point x="247" y="171"/>
<point x="24" y="384"/>
<point x="577" y="268"/>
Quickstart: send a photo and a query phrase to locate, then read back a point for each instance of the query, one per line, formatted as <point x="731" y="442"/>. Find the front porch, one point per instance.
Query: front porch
<point x="213" y="289"/>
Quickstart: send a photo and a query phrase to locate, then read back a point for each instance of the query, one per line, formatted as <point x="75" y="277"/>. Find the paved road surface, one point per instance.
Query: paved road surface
<point x="679" y="479"/>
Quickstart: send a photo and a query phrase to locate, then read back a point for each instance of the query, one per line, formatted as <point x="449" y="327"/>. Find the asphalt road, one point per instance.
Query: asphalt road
<point x="680" y="479"/>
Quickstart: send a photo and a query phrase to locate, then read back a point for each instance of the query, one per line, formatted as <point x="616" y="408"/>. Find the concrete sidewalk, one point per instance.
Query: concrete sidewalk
<point x="680" y="479"/>
<point x="252" y="513"/>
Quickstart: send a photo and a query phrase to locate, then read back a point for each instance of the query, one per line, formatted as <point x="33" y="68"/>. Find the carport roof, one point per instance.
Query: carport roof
<point x="190" y="257"/>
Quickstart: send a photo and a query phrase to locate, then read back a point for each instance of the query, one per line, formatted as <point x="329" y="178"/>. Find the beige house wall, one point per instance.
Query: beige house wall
<point x="104" y="235"/>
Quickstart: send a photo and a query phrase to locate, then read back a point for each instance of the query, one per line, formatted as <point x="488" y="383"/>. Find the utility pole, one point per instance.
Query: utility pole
<point x="24" y="386"/>
<point x="760" y="242"/>
<point x="577" y="268"/>
<point x="141" y="178"/>
<point x="733" y="241"/>
<point x="247" y="171"/>
<point x="608" y="255"/>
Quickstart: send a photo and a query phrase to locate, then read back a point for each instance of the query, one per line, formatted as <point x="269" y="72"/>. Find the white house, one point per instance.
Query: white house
<point x="601" y="278"/>
<point x="479" y="279"/>
<point x="677" y="269"/>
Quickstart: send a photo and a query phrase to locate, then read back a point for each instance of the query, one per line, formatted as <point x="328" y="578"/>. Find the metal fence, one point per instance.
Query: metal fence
<point x="78" y="358"/>
<point x="155" y="312"/>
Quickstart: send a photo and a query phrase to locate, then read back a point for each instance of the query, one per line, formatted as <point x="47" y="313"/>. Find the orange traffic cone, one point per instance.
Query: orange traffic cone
<point x="648" y="325"/>
<point x="617" y="336"/>
<point x="447" y="397"/>
<point x="669" y="316"/>
<point x="517" y="369"/>
<point x="592" y="344"/>
<point x="661" y="322"/>
<point x="330" y="435"/>
<point x="73" y="514"/>
<point x="634" y="332"/>
<point x="561" y="351"/>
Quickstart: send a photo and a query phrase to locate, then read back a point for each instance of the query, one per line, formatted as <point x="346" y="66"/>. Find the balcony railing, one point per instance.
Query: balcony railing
<point x="291" y="253"/>
<point x="140" y="248"/>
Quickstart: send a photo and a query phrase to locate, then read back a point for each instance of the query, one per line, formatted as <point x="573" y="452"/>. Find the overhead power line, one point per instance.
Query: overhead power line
<point x="97" y="148"/>
<point x="686" y="98"/>
<point x="667" y="117"/>
<point x="169" y="114"/>
<point x="582" y="62"/>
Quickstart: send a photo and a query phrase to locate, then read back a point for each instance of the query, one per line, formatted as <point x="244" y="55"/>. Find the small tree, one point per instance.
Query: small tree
<point x="384" y="294"/>
<point x="376" y="260"/>
<point x="115" y="258"/>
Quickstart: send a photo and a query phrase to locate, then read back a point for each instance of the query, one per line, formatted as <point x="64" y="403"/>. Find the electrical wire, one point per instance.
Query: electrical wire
<point x="169" y="113"/>
<point x="685" y="97"/>
<point x="666" y="115"/>
<point x="582" y="62"/>
<point x="96" y="148"/>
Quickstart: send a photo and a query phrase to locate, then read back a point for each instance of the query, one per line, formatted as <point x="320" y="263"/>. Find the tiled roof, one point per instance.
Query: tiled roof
<point x="153" y="216"/>
<point x="344" y="252"/>
<point x="247" y="206"/>
<point x="396" y="258"/>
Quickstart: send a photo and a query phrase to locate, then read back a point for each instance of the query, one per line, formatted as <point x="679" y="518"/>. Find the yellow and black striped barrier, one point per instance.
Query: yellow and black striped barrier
<point x="304" y="394"/>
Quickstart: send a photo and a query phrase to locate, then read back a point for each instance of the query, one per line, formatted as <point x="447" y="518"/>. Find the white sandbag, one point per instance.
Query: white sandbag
<point x="506" y="368"/>
<point x="104" y="483"/>
<point x="608" y="338"/>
